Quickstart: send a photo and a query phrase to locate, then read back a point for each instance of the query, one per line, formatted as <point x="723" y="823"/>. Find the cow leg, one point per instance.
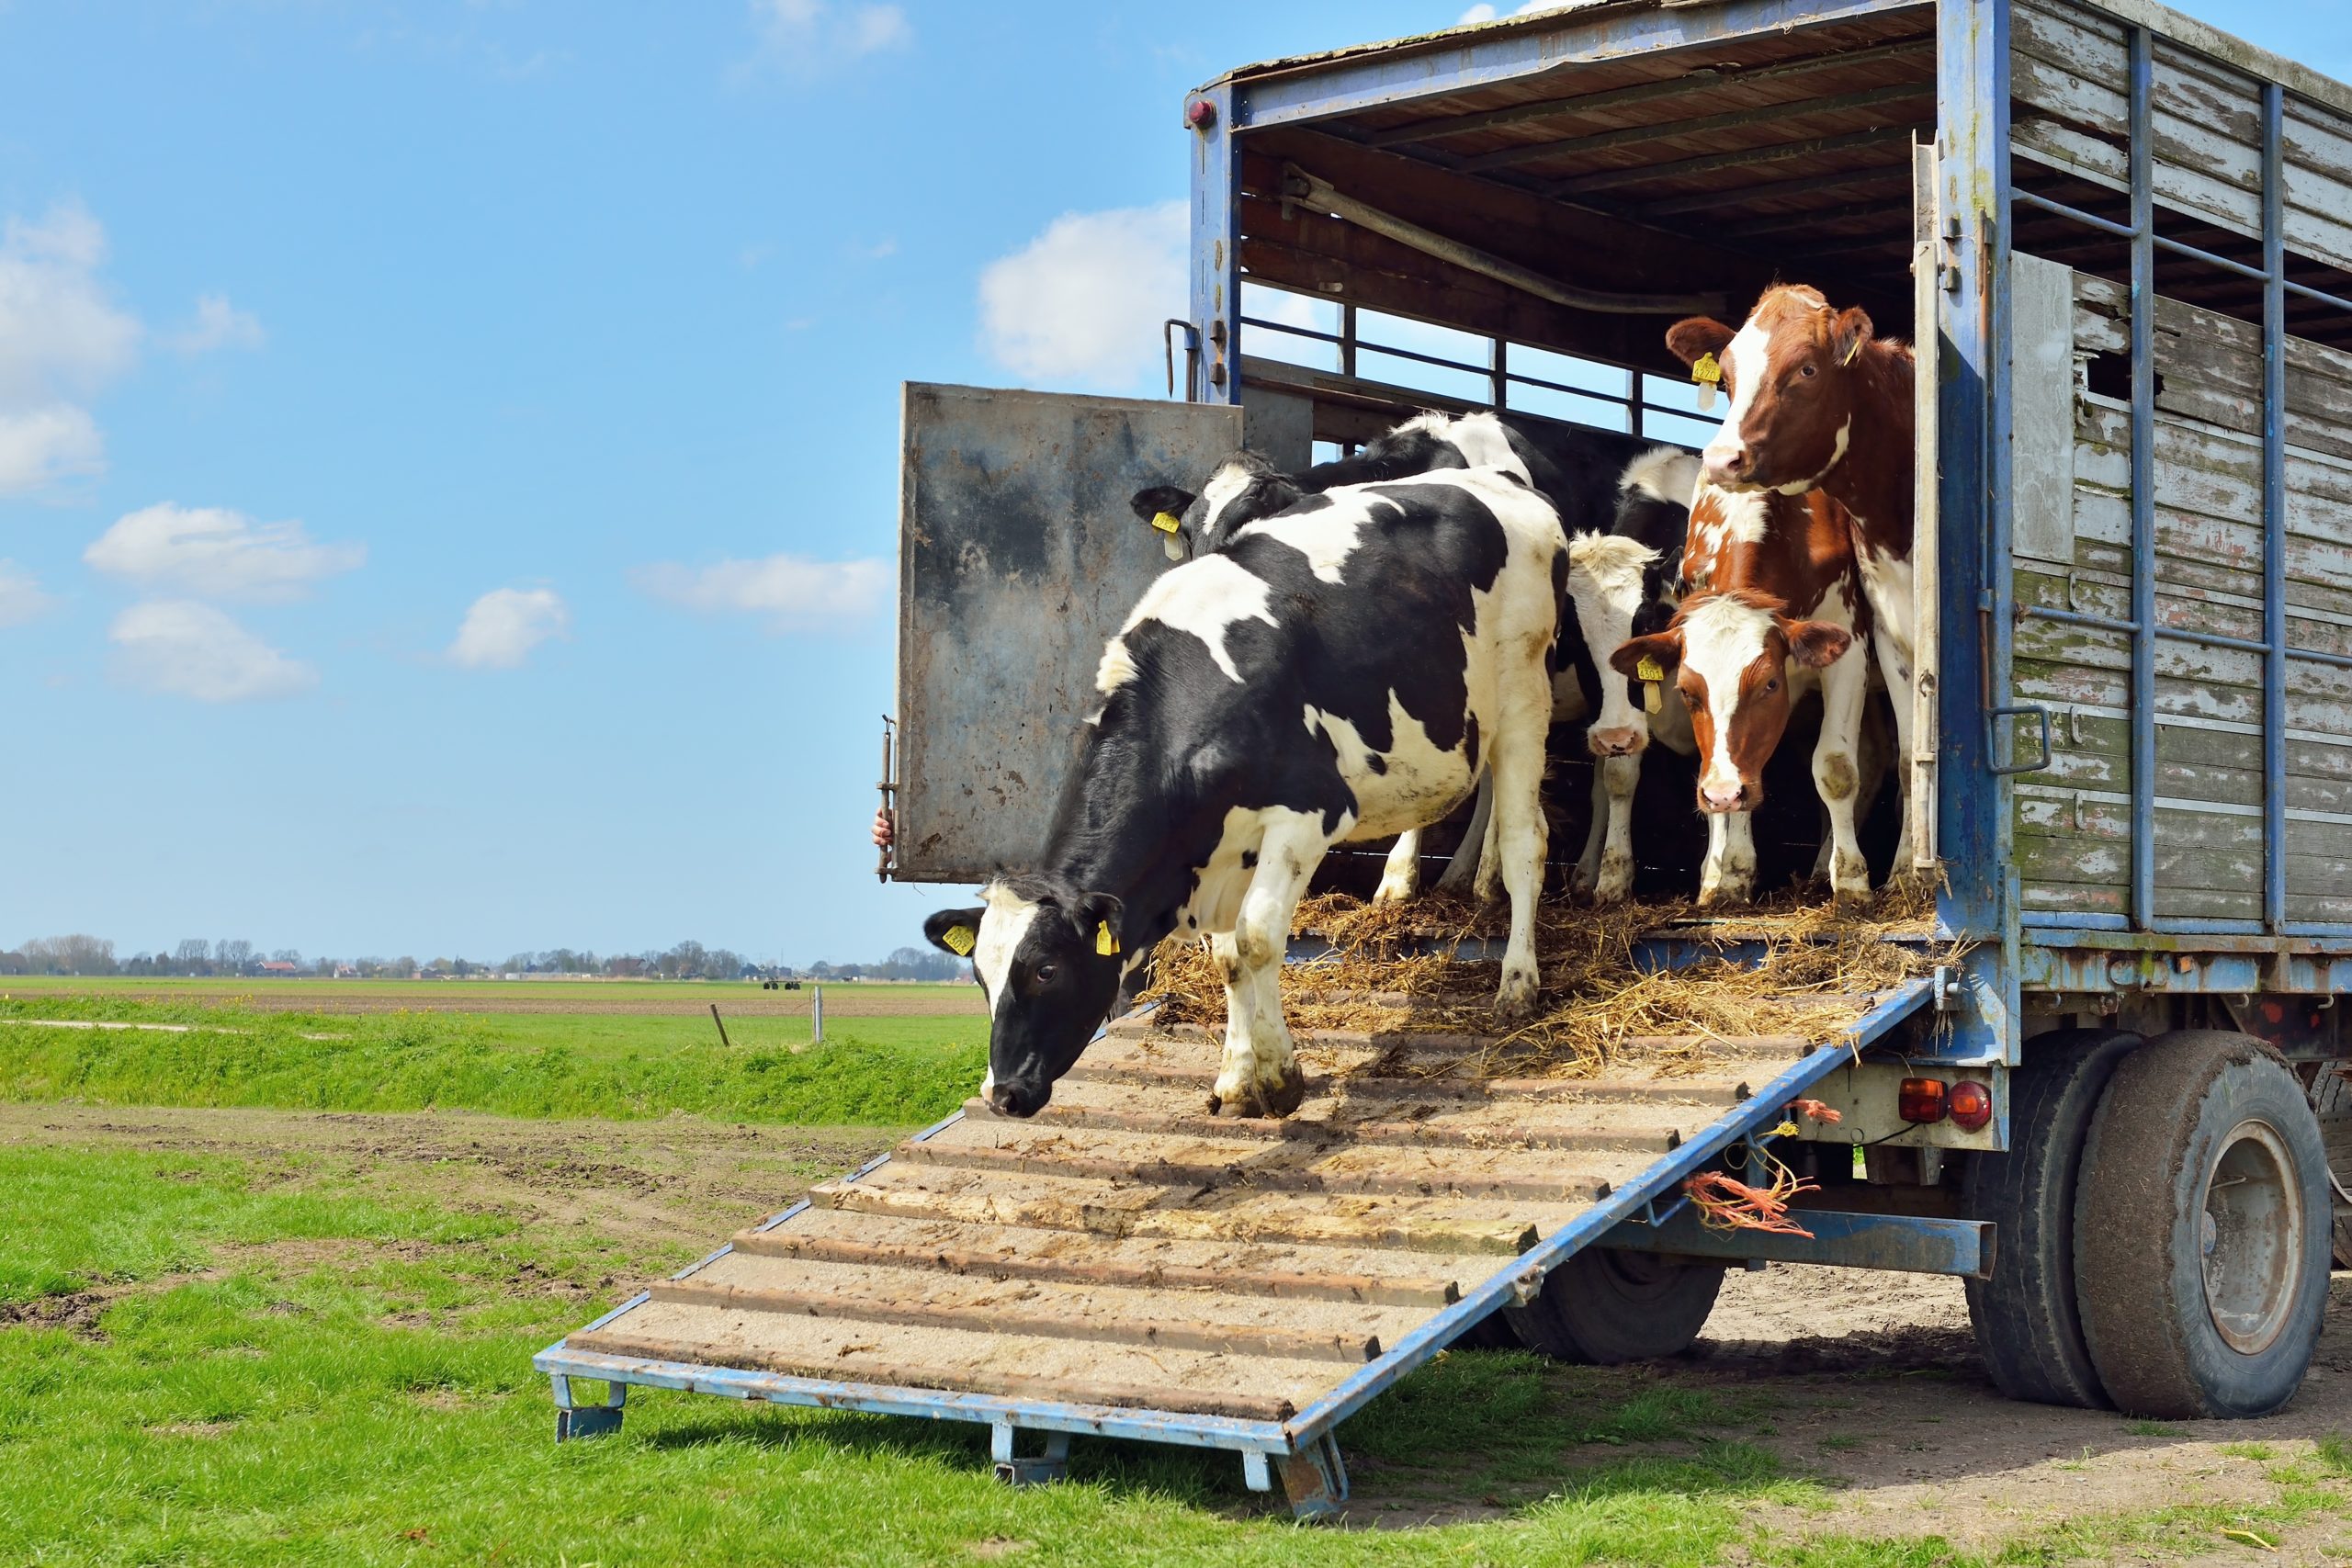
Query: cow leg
<point x="1606" y="871"/>
<point x="1728" y="880"/>
<point x="1260" y="1076"/>
<point x="1520" y="830"/>
<point x="1463" y="871"/>
<point x="1894" y="667"/>
<point x="1401" y="879"/>
<point x="1837" y="772"/>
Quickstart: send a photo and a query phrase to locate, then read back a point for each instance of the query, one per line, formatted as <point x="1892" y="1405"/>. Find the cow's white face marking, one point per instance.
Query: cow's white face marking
<point x="1721" y="638"/>
<point x="1003" y="930"/>
<point x="1605" y="582"/>
<point x="1746" y="360"/>
<point x="1327" y="537"/>
<point x="1206" y="597"/>
<point x="1117" y="667"/>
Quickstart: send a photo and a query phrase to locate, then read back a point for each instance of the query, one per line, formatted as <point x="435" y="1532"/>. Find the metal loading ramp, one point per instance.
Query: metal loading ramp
<point x="1125" y="1265"/>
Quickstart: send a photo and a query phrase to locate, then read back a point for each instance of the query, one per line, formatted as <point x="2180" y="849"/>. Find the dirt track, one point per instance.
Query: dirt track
<point x="1869" y="1382"/>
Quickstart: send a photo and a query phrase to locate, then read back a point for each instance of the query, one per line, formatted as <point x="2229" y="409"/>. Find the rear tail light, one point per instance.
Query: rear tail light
<point x="1970" y="1105"/>
<point x="1922" y="1100"/>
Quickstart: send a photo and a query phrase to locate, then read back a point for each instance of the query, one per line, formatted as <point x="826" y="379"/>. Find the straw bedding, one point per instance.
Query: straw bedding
<point x="1598" y="1008"/>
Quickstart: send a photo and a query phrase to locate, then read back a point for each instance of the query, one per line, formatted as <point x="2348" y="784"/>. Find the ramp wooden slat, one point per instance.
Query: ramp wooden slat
<point x="1284" y="1272"/>
<point x="1335" y="1165"/>
<point x="1321" y="1331"/>
<point x="1637" y="1129"/>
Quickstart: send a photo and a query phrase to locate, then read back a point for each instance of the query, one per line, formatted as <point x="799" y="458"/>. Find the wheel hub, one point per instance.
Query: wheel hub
<point x="2252" y="1231"/>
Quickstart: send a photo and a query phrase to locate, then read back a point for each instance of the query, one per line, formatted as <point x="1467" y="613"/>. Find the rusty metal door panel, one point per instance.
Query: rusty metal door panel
<point x="1018" y="557"/>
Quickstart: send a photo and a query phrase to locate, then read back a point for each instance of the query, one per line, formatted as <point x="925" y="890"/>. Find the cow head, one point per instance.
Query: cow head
<point x="1049" y="958"/>
<point x="1793" y="376"/>
<point x="1607" y="578"/>
<point x="1728" y="655"/>
<point x="1245" y="488"/>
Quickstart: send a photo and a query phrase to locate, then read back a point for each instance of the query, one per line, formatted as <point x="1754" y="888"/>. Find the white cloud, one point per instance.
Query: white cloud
<point x="505" y="624"/>
<point x="62" y="339"/>
<point x="218" y="325"/>
<point x="791" y="593"/>
<point x="802" y="38"/>
<point x="21" y="599"/>
<point x="187" y="649"/>
<point x="1485" y="13"/>
<point x="216" y="552"/>
<point x="39" y="446"/>
<point x="1083" y="302"/>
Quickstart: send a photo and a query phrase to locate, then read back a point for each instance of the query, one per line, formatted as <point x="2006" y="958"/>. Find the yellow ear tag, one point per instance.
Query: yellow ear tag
<point x="1709" y="371"/>
<point x="960" y="941"/>
<point x="1649" y="669"/>
<point x="1852" y="354"/>
<point x="1104" y="942"/>
<point x="1167" y="522"/>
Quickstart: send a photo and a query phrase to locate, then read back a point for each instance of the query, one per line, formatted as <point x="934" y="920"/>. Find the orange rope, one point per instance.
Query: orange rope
<point x="1725" y="1204"/>
<point x="1827" y="1115"/>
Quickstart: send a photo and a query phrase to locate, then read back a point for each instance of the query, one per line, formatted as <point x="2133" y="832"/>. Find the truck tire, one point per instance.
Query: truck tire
<point x="2202" y="1229"/>
<point x="2331" y="1104"/>
<point x="1606" y="1305"/>
<point x="2027" y="1327"/>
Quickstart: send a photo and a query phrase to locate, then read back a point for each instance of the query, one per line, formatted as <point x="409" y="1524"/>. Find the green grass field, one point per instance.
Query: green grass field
<point x="441" y="993"/>
<point x="870" y="1071"/>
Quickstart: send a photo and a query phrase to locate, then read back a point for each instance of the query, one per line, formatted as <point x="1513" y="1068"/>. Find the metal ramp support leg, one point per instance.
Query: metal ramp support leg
<point x="594" y="1421"/>
<point x="1036" y="1469"/>
<point x="1314" y="1479"/>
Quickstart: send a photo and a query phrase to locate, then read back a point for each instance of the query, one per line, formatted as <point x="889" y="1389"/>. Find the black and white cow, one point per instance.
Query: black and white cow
<point x="1622" y="558"/>
<point x="1344" y="669"/>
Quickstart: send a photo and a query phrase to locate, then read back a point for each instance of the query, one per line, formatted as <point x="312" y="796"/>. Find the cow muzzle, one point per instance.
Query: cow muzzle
<point x="1719" y="798"/>
<point x="1017" y="1099"/>
<point x="1626" y="742"/>
<point x="1730" y="467"/>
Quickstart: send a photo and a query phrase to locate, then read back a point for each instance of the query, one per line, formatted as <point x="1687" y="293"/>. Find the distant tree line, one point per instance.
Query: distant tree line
<point x="235" y="957"/>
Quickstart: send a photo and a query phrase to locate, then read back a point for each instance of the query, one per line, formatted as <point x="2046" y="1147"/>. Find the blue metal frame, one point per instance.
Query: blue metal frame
<point x="2143" y="157"/>
<point x="2274" y="506"/>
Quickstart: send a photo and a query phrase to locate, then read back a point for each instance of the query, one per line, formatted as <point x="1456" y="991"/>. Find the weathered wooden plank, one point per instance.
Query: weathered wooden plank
<point x="1000" y="1252"/>
<point x="1110" y="1208"/>
<point x="1274" y="1167"/>
<point x="1628" y="1130"/>
<point x="1080" y="1317"/>
<point x="978" y="1363"/>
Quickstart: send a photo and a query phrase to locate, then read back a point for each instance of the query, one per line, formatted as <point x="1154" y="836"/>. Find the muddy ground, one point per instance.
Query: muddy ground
<point x="1869" y="1382"/>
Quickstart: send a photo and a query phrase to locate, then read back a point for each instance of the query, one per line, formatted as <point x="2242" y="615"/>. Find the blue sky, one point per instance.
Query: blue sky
<point x="447" y="452"/>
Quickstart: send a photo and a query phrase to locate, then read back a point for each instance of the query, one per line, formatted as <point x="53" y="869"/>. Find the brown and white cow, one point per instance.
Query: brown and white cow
<point x="1821" y="404"/>
<point x="1777" y="610"/>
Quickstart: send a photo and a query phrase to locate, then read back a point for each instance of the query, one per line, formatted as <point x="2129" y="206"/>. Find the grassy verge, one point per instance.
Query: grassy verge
<point x="278" y="1361"/>
<point x="870" y="1071"/>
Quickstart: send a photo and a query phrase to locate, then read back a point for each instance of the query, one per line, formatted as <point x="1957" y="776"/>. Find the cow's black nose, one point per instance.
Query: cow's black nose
<point x="1008" y="1100"/>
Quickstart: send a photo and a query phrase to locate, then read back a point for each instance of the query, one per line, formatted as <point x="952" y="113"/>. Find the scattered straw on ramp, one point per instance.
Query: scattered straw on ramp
<point x="1819" y="971"/>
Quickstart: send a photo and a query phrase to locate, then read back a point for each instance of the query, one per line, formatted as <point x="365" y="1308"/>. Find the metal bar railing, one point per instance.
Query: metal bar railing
<point x="2144" y="482"/>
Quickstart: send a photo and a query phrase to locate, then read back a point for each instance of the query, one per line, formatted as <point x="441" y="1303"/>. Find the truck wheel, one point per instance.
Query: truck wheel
<point x="2331" y="1104"/>
<point x="1607" y="1306"/>
<point x="2202" y="1229"/>
<point x="2027" y="1327"/>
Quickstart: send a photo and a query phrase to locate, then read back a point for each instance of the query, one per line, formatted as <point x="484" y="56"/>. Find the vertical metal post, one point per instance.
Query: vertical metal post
<point x="2274" y="507"/>
<point x="817" y="1016"/>
<point x="1499" y="374"/>
<point x="2143" y="484"/>
<point x="1348" y="340"/>
<point x="1969" y="359"/>
<point x="1217" y="249"/>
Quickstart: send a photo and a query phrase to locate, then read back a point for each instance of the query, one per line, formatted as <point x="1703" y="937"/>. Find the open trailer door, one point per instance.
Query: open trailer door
<point x="1018" y="557"/>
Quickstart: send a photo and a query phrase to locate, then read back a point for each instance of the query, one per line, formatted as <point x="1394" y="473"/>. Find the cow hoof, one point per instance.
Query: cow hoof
<point x="1393" y="893"/>
<point x="1517" y="998"/>
<point x="1262" y="1102"/>
<point x="1725" y="898"/>
<point x="1852" y="899"/>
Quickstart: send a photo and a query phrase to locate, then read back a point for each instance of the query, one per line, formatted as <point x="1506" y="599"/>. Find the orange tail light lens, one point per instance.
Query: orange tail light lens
<point x="1921" y="1099"/>
<point x="1970" y="1105"/>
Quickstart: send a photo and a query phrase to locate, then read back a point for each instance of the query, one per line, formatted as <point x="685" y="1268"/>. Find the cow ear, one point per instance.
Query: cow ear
<point x="1661" y="650"/>
<point x="955" y="930"/>
<point x="1149" y="503"/>
<point x="1096" y="917"/>
<point x="1817" y="645"/>
<point x="1693" y="339"/>
<point x="1848" y="334"/>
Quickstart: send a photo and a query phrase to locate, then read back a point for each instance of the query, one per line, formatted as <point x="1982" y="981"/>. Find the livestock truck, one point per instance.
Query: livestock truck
<point x="2123" y="243"/>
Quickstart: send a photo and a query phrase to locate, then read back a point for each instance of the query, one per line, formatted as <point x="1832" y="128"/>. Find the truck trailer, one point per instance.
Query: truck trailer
<point x="2122" y="244"/>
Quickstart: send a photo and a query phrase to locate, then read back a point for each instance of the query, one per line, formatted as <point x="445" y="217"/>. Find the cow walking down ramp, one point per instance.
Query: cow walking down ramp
<point x="1125" y="1265"/>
